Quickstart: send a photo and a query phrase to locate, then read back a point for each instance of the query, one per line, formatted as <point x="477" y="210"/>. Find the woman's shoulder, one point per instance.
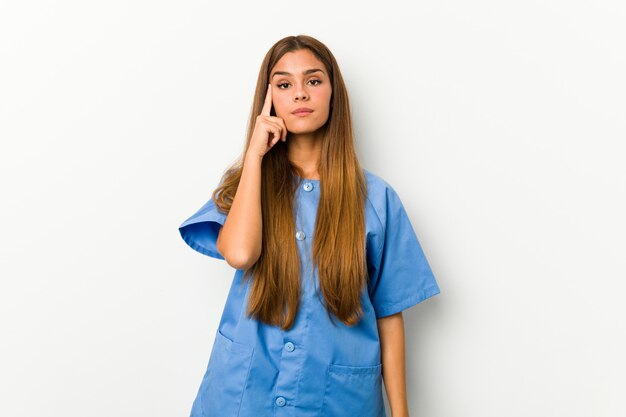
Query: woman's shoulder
<point x="374" y="181"/>
<point x="379" y="194"/>
<point x="378" y="189"/>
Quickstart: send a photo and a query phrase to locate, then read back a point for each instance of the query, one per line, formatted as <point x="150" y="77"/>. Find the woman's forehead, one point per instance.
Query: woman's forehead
<point x="301" y="62"/>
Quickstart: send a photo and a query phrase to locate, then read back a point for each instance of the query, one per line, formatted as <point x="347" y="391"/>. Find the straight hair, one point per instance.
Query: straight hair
<point x="338" y="248"/>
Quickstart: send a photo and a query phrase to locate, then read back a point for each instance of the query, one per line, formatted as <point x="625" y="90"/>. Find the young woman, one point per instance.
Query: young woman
<point x="326" y="258"/>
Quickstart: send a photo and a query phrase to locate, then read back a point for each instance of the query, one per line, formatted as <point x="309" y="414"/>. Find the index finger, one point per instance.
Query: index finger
<point x="267" y="105"/>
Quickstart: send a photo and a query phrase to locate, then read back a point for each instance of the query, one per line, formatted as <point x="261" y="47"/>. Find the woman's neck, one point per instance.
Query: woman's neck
<point x="304" y="152"/>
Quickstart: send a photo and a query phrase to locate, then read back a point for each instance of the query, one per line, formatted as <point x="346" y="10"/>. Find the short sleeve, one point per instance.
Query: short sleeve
<point x="201" y="229"/>
<point x="401" y="274"/>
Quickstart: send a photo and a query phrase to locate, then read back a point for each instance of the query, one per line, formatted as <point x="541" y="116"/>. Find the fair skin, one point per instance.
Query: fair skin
<point x="391" y="334"/>
<point x="298" y="80"/>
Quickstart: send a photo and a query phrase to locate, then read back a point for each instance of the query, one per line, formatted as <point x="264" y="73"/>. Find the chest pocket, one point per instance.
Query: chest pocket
<point x="353" y="390"/>
<point x="225" y="378"/>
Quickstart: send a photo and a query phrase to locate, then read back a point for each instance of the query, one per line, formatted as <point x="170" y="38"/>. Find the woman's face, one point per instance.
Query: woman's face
<point x="300" y="80"/>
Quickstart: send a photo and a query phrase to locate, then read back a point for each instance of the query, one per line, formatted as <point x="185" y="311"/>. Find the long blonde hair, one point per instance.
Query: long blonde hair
<point x="338" y="249"/>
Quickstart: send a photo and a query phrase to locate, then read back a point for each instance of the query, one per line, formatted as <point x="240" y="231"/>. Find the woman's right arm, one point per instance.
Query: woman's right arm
<point x="239" y="239"/>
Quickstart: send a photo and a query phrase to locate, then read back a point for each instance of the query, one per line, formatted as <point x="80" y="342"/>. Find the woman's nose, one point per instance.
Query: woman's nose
<point x="300" y="94"/>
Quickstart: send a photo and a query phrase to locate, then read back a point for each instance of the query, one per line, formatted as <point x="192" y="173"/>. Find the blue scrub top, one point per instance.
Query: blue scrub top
<point x="317" y="368"/>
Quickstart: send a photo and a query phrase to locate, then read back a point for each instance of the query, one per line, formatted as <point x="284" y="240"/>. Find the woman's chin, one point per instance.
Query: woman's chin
<point x="302" y="129"/>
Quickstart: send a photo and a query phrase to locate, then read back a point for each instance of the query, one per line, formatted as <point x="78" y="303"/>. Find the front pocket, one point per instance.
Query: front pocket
<point x="226" y="377"/>
<point x="353" y="391"/>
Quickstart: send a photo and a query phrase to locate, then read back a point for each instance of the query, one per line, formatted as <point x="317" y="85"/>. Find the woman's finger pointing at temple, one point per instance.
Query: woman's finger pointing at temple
<point x="267" y="105"/>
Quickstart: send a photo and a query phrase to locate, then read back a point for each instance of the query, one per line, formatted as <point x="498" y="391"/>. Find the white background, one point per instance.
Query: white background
<point x="500" y="124"/>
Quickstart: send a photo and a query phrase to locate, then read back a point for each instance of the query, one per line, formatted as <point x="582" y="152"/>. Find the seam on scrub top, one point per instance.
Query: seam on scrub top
<point x="382" y="226"/>
<point x="304" y="304"/>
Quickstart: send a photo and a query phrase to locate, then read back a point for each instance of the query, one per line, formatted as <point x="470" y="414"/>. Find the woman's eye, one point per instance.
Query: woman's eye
<point x="318" y="82"/>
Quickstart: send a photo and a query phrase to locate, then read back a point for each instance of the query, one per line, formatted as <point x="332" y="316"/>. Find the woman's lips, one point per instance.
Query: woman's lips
<point x="303" y="113"/>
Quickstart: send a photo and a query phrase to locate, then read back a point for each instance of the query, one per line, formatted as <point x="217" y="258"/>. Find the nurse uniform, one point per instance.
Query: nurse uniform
<point x="317" y="368"/>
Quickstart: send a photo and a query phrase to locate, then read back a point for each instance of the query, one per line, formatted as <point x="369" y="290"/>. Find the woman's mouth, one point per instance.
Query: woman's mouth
<point x="302" y="112"/>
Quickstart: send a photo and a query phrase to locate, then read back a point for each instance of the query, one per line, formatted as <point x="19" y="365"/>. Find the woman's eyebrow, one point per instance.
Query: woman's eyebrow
<point x="309" y="71"/>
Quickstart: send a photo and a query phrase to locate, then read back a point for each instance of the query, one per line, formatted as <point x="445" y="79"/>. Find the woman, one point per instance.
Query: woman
<point x="326" y="258"/>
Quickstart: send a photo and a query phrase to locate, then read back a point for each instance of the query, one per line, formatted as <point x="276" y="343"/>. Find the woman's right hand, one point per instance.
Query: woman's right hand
<point x="267" y="129"/>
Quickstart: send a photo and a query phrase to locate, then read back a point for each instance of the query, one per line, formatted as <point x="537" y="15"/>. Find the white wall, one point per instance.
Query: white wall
<point x="500" y="124"/>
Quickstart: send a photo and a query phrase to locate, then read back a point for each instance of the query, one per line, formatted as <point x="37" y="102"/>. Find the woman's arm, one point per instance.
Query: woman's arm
<point x="391" y="333"/>
<point x="239" y="240"/>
